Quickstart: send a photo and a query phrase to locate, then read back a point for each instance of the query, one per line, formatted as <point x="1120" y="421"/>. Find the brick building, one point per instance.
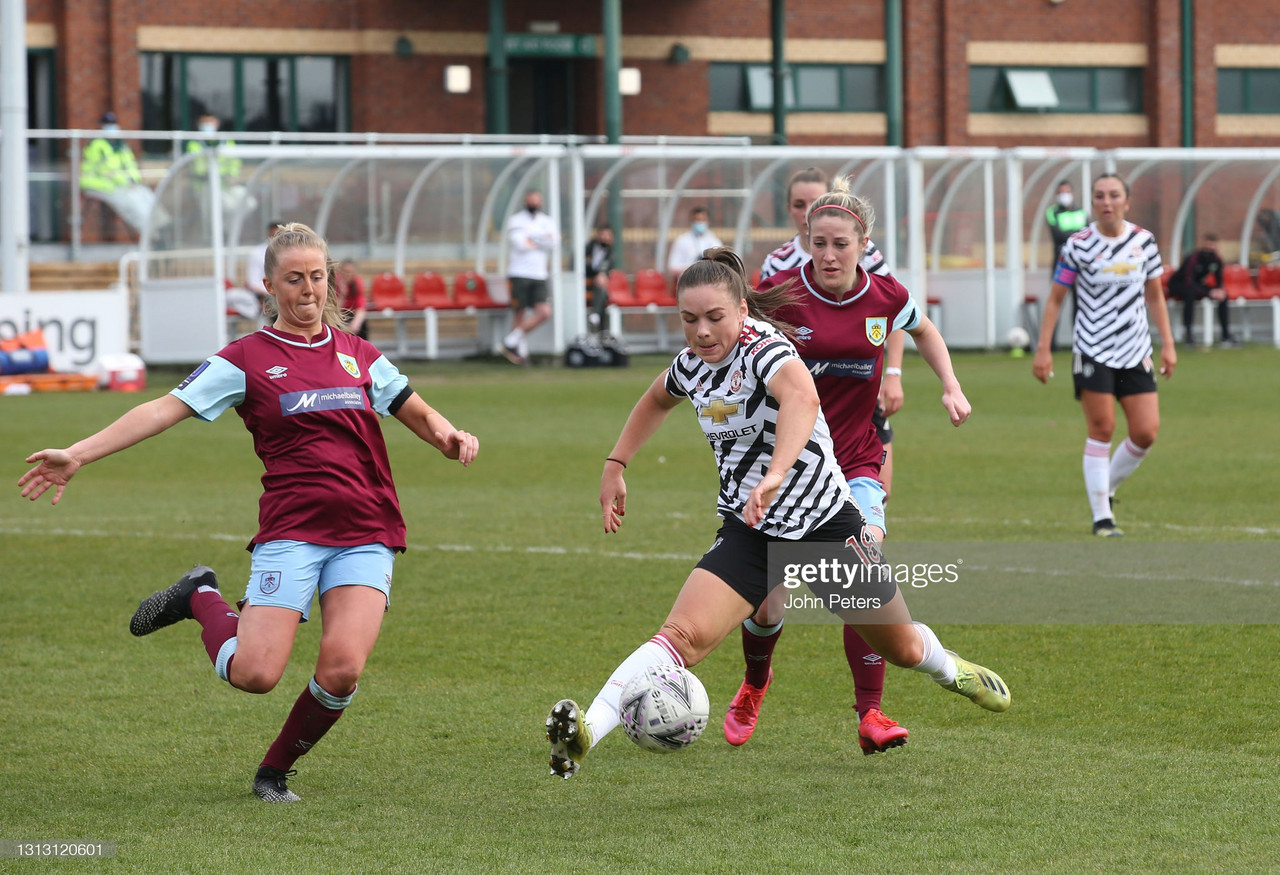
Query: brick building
<point x="1003" y="72"/>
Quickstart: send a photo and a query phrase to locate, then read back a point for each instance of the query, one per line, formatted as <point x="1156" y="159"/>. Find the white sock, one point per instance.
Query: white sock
<point x="937" y="663"/>
<point x="603" y="713"/>
<point x="1097" y="477"/>
<point x="1126" y="460"/>
<point x="513" y="337"/>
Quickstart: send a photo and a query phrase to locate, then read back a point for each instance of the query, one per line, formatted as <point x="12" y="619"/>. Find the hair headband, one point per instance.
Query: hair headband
<point x="842" y="209"/>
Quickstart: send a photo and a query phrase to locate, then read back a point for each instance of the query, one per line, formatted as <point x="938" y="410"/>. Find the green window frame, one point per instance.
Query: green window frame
<point x="1249" y="91"/>
<point x="738" y="87"/>
<point x="247" y="92"/>
<point x="1098" y="90"/>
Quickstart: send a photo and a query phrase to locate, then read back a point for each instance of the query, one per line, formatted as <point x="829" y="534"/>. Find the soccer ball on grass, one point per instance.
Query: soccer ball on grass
<point x="1018" y="340"/>
<point x="664" y="708"/>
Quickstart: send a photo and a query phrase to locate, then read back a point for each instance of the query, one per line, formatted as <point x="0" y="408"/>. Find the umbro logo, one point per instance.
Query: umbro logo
<point x="804" y="331"/>
<point x="277" y="372"/>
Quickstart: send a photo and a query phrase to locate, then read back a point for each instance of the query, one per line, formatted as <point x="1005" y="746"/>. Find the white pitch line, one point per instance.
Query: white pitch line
<point x="9" y="529"/>
<point x="1128" y="524"/>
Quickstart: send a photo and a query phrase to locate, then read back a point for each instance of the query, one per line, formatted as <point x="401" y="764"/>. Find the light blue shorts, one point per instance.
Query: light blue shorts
<point x="868" y="493"/>
<point x="288" y="574"/>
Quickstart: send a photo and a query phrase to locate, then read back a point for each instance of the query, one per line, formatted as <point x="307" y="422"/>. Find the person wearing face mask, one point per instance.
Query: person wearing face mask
<point x="689" y="246"/>
<point x="235" y="198"/>
<point x="531" y="237"/>
<point x="1065" y="219"/>
<point x="228" y="166"/>
<point x="108" y="172"/>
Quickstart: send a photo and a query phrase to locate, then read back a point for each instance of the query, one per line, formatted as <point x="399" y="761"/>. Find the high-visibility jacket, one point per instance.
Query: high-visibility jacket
<point x="227" y="165"/>
<point x="108" y="165"/>
<point x="1063" y="222"/>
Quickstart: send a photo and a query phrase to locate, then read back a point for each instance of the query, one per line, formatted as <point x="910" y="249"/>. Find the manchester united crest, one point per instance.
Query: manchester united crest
<point x="735" y="381"/>
<point x="877" y="329"/>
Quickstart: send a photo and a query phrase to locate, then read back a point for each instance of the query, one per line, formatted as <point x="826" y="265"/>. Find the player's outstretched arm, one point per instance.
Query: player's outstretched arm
<point x="429" y="424"/>
<point x="933" y="349"/>
<point x="645" y="419"/>
<point x="55" y="468"/>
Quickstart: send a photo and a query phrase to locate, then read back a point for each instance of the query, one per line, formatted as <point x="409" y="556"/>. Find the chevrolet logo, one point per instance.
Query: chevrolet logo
<point x="718" y="411"/>
<point x="1120" y="268"/>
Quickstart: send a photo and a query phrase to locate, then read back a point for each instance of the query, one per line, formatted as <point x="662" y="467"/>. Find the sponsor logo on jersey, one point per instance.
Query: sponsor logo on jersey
<point x="863" y="369"/>
<point x="187" y="382"/>
<point x="717" y="411"/>
<point x="877" y="329"/>
<point x="335" y="398"/>
<point x="735" y="381"/>
<point x="349" y="364"/>
<point x="1121" y="269"/>
<point x="731" y="434"/>
<point x="277" y="372"/>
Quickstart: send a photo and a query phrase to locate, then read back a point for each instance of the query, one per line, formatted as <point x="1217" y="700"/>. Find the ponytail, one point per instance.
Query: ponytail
<point x="722" y="267"/>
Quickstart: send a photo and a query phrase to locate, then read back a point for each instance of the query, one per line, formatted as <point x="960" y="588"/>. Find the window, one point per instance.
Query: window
<point x="247" y="93"/>
<point x="809" y="88"/>
<point x="1075" y="89"/>
<point x="1252" y="90"/>
<point x="1031" y="89"/>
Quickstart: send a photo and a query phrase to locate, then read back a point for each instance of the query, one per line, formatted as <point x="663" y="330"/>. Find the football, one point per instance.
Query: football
<point x="664" y="708"/>
<point x="1017" y="338"/>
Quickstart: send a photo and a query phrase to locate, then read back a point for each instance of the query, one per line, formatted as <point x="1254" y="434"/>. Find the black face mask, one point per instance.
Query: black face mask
<point x="533" y="211"/>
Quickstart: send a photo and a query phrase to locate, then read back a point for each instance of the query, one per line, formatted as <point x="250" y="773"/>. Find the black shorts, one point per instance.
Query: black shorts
<point x="525" y="292"/>
<point x="740" y="555"/>
<point x="884" y="430"/>
<point x="1119" y="382"/>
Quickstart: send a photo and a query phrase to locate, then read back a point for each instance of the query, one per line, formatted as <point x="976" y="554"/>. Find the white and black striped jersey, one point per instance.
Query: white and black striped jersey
<point x="793" y="255"/>
<point x="739" y="418"/>
<point x="1110" y="276"/>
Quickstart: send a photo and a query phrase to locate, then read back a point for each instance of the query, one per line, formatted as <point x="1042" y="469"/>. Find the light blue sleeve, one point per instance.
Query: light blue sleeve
<point x="212" y="389"/>
<point x="388" y="383"/>
<point x="908" y="317"/>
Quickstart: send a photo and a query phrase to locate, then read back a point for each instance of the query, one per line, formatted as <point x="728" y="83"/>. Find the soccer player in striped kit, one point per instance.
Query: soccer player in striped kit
<point x="1114" y="267"/>
<point x="779" y="481"/>
<point x="329" y="521"/>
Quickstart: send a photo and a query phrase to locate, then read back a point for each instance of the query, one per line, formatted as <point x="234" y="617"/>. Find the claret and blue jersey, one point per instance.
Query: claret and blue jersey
<point x="313" y="410"/>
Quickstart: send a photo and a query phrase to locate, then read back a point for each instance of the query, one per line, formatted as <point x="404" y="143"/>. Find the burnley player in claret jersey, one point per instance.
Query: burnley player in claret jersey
<point x="844" y="312"/>
<point x="329" y="522"/>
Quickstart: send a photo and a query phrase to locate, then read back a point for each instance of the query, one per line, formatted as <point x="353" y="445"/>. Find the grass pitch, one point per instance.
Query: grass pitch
<point x="1128" y="747"/>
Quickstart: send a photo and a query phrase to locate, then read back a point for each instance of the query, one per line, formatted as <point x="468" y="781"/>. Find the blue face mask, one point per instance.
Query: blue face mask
<point x="111" y="128"/>
<point x="699" y="227"/>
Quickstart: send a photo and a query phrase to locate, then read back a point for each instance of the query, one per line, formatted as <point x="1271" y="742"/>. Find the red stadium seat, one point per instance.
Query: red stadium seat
<point x="652" y="288"/>
<point x="388" y="293"/>
<point x="1269" y="281"/>
<point x="429" y="291"/>
<point x="1237" y="281"/>
<point x="471" y="290"/>
<point x="620" y="290"/>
